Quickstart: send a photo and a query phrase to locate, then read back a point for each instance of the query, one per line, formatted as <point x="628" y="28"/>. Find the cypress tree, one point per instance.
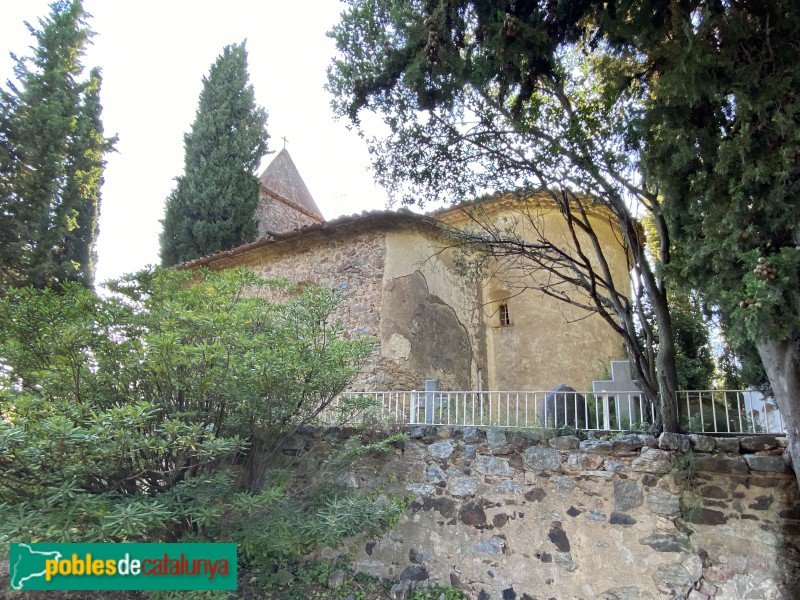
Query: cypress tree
<point x="51" y="160"/>
<point x="213" y="205"/>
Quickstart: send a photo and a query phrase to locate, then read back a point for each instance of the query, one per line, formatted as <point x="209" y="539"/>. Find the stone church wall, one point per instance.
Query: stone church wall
<point x="351" y="262"/>
<point x="512" y="515"/>
<point x="402" y="286"/>
<point x="274" y="216"/>
<point x="423" y="320"/>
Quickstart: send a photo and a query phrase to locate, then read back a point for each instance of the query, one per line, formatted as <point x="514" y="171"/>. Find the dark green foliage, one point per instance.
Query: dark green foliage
<point x="693" y="358"/>
<point x="51" y="158"/>
<point x="153" y="412"/>
<point x="213" y="205"/>
<point x="721" y="136"/>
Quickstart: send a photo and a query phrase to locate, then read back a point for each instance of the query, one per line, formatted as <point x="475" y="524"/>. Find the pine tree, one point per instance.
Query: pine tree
<point x="213" y="205"/>
<point x="51" y="160"/>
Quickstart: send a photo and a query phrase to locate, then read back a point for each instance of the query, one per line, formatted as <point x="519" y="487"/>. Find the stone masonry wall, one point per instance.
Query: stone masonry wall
<point x="509" y="515"/>
<point x="351" y="263"/>
<point x="275" y="216"/>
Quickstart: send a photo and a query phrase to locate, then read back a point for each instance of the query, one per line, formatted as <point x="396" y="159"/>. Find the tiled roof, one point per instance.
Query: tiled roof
<point x="382" y="218"/>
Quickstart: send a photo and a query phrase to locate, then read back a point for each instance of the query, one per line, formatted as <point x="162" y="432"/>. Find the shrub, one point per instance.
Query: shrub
<point x="158" y="409"/>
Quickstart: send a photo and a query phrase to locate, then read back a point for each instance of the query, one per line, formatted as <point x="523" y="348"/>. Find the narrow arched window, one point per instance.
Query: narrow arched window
<point x="505" y="318"/>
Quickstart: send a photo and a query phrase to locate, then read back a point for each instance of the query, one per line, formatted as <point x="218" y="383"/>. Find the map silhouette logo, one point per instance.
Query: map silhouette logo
<point x="27" y="563"/>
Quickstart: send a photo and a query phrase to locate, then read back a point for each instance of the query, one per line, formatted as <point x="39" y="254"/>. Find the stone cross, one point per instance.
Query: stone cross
<point x="624" y="391"/>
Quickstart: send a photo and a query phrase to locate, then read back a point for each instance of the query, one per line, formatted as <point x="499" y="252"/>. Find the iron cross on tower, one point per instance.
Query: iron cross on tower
<point x="284" y="142"/>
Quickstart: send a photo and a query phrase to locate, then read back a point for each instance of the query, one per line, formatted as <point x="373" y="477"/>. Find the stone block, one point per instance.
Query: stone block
<point x="720" y="463"/>
<point x="702" y="443"/>
<point x="652" y="461"/>
<point x="492" y="466"/>
<point x="508" y="487"/>
<point x="758" y="443"/>
<point x="709" y="589"/>
<point x="462" y="486"/>
<point x="542" y="459"/>
<point x="493" y="546"/>
<point x="497" y="441"/>
<point x="675" y="577"/>
<point x="664" y="503"/>
<point x="435" y="474"/>
<point x="420" y="489"/>
<point x="595" y="514"/>
<point x="597" y="447"/>
<point x="705" y="516"/>
<point x="666" y="542"/>
<point x="414" y="573"/>
<point x="441" y="450"/>
<point x="444" y="432"/>
<point x="674" y="441"/>
<point x="597" y="474"/>
<point x="578" y="461"/>
<point x="774" y="464"/>
<point x="627" y="495"/>
<point x="414" y="451"/>
<point x="618" y="518"/>
<point x="535" y="495"/>
<point x="564" y="486"/>
<point x="472" y="515"/>
<point x="336" y="580"/>
<point x="628" y="443"/>
<point x="470" y="435"/>
<point x="648" y="440"/>
<point x="559" y="538"/>
<point x="565" y="442"/>
<point x="728" y="444"/>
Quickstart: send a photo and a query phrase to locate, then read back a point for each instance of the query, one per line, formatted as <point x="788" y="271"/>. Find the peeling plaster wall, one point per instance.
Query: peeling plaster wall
<point x="509" y="515"/>
<point x="430" y="308"/>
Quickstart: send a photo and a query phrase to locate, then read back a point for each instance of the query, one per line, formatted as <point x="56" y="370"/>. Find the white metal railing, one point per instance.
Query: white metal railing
<point x="620" y="411"/>
<point x="728" y="411"/>
<point x="700" y="411"/>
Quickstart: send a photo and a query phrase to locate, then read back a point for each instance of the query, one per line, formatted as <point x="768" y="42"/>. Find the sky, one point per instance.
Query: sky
<point x="154" y="54"/>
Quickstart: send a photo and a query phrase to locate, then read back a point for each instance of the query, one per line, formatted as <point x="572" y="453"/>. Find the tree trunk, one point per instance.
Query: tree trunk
<point x="781" y="361"/>
<point x="665" y="357"/>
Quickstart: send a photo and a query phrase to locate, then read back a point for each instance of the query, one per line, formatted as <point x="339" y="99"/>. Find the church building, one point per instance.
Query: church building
<point x="404" y="285"/>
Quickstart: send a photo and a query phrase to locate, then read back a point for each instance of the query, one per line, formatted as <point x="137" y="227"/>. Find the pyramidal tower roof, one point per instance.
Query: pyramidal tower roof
<point x="282" y="179"/>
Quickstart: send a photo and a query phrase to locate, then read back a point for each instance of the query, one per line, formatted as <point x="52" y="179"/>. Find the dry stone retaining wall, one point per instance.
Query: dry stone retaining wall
<point x="509" y="515"/>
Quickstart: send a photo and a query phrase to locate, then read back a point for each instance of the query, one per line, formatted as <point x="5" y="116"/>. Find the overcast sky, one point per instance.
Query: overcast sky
<point x="154" y="54"/>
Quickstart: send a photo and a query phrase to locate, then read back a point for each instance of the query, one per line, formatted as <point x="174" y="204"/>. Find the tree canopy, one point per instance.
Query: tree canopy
<point x="213" y="205"/>
<point x="51" y="157"/>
